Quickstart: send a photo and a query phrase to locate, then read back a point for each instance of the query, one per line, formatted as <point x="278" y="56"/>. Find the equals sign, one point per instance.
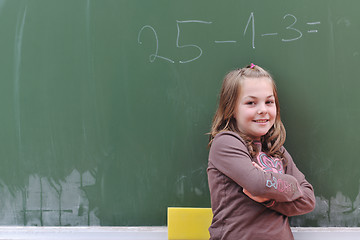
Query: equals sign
<point x="313" y="23"/>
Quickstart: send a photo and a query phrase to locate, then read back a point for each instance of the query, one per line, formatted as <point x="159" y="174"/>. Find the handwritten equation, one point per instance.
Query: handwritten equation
<point x="291" y="30"/>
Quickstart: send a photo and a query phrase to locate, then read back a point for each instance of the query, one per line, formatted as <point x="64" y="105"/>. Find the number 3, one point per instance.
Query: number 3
<point x="290" y="27"/>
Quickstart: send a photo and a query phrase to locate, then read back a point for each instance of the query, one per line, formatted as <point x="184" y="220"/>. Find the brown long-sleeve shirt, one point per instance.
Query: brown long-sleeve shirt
<point x="235" y="215"/>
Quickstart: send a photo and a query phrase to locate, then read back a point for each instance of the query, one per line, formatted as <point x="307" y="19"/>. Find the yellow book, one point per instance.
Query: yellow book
<point x="189" y="223"/>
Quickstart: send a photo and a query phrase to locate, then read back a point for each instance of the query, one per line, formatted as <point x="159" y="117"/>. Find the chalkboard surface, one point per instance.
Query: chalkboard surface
<point x="106" y="103"/>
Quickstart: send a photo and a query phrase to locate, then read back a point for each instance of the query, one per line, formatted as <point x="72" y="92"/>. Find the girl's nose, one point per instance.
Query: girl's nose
<point x="261" y="110"/>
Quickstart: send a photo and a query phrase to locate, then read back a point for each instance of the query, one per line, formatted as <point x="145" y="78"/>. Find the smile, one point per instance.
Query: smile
<point x="261" y="121"/>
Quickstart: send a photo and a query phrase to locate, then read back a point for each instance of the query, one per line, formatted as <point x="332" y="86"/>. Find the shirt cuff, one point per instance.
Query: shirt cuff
<point x="269" y="203"/>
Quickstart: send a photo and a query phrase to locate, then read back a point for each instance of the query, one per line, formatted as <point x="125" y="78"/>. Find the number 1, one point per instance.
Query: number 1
<point x="251" y="18"/>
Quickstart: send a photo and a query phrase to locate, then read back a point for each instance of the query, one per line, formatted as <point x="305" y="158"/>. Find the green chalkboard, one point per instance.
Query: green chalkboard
<point x="105" y="104"/>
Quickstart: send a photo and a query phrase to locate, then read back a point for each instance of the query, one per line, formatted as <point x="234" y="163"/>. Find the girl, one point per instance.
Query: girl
<point x="254" y="184"/>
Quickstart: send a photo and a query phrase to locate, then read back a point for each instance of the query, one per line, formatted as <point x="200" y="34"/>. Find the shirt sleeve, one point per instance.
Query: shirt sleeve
<point x="230" y="156"/>
<point x="305" y="203"/>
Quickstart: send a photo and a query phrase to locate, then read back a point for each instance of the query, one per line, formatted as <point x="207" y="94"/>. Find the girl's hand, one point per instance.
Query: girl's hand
<point x="257" y="199"/>
<point x="257" y="166"/>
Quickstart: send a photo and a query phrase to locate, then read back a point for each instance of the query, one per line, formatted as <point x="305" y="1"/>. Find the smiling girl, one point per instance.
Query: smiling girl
<point x="254" y="183"/>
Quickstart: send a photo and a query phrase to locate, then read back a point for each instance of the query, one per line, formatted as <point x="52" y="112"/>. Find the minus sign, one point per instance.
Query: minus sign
<point x="313" y="31"/>
<point x="225" y="41"/>
<point x="313" y="23"/>
<point x="269" y="34"/>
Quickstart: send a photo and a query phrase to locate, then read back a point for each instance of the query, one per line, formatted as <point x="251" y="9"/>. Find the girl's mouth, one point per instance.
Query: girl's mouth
<point x="261" y="121"/>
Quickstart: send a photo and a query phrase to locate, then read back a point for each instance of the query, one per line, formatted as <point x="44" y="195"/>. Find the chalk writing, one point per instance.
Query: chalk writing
<point x="155" y="55"/>
<point x="314" y="30"/>
<point x="228" y="41"/>
<point x="189" y="45"/>
<point x="292" y="33"/>
<point x="252" y="19"/>
<point x="269" y="34"/>
<point x="45" y="202"/>
<point x="291" y="27"/>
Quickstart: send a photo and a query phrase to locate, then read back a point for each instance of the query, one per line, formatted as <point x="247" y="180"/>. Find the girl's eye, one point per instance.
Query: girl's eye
<point x="270" y="102"/>
<point x="250" y="103"/>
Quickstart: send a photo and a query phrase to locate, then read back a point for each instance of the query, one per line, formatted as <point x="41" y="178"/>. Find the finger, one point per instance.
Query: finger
<point x="257" y="165"/>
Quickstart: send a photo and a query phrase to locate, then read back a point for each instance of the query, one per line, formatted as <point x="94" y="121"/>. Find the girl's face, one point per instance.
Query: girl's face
<point x="255" y="109"/>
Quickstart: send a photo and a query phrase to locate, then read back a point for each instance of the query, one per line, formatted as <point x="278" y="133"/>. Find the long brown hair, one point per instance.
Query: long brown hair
<point x="224" y="119"/>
